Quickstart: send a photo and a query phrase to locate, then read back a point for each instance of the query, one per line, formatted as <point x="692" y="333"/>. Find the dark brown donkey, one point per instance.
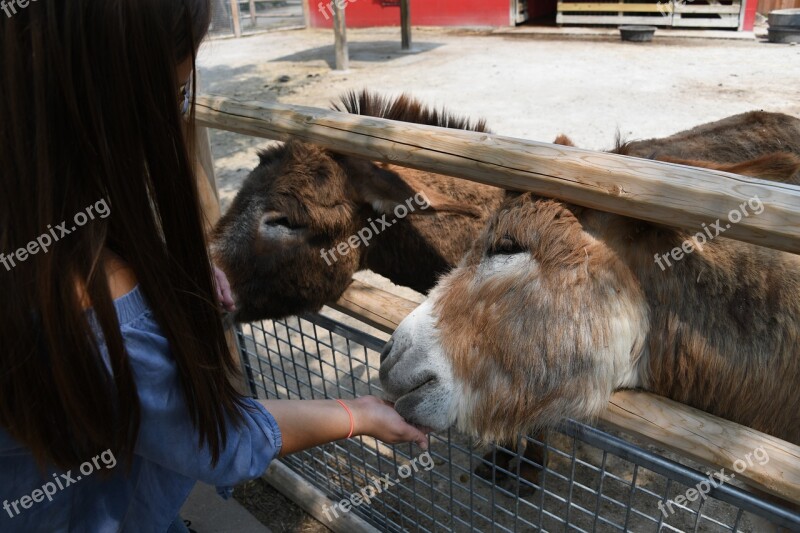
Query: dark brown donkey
<point x="302" y="201"/>
<point x="288" y="242"/>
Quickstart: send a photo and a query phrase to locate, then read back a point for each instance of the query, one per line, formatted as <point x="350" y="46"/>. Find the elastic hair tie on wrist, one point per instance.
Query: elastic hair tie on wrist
<point x="352" y="420"/>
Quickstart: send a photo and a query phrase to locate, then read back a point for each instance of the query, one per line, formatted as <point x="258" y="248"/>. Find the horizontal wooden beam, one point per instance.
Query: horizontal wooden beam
<point x="615" y="20"/>
<point x="694" y="434"/>
<point x="312" y="500"/>
<point x="709" y="10"/>
<point x="614" y="7"/>
<point x="723" y="21"/>
<point x="709" y="440"/>
<point x="567" y="7"/>
<point x="665" y="193"/>
<point x="373" y="306"/>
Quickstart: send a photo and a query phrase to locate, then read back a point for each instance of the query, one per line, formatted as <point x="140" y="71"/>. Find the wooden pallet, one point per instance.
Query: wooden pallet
<point x="709" y="14"/>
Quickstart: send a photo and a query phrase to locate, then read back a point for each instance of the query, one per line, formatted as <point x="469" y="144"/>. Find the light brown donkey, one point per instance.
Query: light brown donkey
<point x="562" y="305"/>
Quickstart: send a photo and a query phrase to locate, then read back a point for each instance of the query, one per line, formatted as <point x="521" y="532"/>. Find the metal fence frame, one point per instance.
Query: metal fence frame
<point x="450" y="497"/>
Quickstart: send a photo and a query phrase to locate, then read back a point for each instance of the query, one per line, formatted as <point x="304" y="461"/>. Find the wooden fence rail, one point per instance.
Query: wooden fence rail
<point x="655" y="191"/>
<point x="650" y="190"/>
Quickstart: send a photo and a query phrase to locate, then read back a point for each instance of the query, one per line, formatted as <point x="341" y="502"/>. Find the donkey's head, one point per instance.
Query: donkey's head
<point x="539" y="308"/>
<point x="304" y="220"/>
<point x="287" y="242"/>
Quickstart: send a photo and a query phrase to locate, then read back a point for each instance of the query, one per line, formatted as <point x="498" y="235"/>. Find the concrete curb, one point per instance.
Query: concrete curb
<point x="578" y="31"/>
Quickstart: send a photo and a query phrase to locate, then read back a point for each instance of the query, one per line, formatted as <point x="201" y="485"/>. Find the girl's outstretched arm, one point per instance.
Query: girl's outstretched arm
<point x="308" y="423"/>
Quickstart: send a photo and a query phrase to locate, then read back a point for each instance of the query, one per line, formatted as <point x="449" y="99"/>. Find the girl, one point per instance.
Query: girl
<point x="111" y="345"/>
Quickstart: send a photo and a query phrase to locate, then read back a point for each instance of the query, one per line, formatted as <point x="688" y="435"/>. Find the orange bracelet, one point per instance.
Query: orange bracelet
<point x="352" y="420"/>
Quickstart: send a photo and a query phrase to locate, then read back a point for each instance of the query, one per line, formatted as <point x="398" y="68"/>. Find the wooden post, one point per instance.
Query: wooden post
<point x="340" y="33"/>
<point x="206" y="183"/>
<point x="209" y="204"/>
<point x="253" y="19"/>
<point x="209" y="201"/>
<point x="405" y="23"/>
<point x="237" y="24"/>
<point x="307" y="13"/>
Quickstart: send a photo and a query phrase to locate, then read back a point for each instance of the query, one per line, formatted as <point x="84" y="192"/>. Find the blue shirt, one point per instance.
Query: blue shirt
<point x="167" y="459"/>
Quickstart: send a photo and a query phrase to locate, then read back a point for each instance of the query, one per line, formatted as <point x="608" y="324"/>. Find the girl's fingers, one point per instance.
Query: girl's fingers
<point x="393" y="427"/>
<point x="422" y="440"/>
<point x="414" y="434"/>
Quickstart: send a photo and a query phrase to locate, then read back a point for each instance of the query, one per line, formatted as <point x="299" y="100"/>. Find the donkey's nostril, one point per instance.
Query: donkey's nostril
<point x="387" y="349"/>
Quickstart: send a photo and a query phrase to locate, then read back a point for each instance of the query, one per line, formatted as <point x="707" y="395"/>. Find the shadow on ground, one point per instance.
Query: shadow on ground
<point x="369" y="51"/>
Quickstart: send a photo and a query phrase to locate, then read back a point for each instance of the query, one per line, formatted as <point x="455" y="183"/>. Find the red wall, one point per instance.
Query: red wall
<point x="365" y="13"/>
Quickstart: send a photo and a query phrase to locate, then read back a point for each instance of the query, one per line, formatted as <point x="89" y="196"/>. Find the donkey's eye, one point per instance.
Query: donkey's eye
<point x="506" y="246"/>
<point x="282" y="221"/>
<point x="274" y="219"/>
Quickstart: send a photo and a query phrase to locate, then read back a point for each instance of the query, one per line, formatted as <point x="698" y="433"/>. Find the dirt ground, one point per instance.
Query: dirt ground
<point x="525" y="86"/>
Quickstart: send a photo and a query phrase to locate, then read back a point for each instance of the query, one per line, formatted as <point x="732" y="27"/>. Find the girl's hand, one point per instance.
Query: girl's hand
<point x="224" y="295"/>
<point x="377" y="418"/>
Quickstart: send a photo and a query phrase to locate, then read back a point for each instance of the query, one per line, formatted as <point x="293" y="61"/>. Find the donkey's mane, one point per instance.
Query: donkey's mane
<point x="622" y="146"/>
<point x="404" y="108"/>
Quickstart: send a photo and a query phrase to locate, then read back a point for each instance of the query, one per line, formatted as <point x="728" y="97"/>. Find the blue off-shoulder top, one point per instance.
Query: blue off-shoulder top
<point x="167" y="462"/>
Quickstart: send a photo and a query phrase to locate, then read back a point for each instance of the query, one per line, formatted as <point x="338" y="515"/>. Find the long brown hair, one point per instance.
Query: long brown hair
<point x="90" y="111"/>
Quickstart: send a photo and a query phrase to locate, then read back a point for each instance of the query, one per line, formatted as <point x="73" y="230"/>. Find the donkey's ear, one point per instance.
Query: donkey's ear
<point x="386" y="191"/>
<point x="563" y="140"/>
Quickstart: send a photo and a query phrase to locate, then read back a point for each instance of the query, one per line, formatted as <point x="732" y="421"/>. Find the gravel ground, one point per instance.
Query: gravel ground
<point x="525" y="86"/>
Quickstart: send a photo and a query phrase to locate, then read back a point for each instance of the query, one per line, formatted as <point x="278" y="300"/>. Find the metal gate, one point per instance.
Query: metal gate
<point x="255" y="15"/>
<point x="593" y="479"/>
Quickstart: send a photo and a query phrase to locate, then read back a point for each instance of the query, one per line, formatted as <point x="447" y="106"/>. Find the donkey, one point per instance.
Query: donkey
<point x="735" y="139"/>
<point x="556" y="306"/>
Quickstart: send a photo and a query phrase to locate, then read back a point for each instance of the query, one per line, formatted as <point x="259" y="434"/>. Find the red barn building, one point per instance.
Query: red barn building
<point x="731" y="14"/>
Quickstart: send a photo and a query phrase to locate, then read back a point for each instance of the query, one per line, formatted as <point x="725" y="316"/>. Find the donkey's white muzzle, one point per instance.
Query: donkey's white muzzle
<point x="415" y="374"/>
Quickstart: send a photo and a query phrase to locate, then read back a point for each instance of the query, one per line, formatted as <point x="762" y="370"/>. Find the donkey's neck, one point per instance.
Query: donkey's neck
<point x="727" y="313"/>
<point x="407" y="254"/>
<point x="416" y="249"/>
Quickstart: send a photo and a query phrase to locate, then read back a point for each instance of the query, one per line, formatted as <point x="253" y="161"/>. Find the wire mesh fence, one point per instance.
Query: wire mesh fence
<point x="256" y="15"/>
<point x="588" y="479"/>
